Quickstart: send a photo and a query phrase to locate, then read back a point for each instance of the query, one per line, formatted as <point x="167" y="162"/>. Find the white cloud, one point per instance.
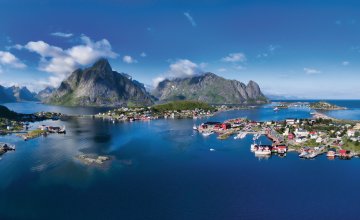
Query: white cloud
<point x="311" y="71"/>
<point x="239" y="67"/>
<point x="128" y="59"/>
<point x="180" y="69"/>
<point x="345" y="63"/>
<point x="270" y="50"/>
<point x="190" y="18"/>
<point x="222" y="70"/>
<point x="61" y="34"/>
<point x="234" y="57"/>
<point x="9" y="59"/>
<point x="61" y="62"/>
<point x="143" y="54"/>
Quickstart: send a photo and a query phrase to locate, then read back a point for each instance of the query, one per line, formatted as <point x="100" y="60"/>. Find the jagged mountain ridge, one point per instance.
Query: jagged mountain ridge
<point x="16" y="94"/>
<point x="209" y="88"/>
<point x="99" y="85"/>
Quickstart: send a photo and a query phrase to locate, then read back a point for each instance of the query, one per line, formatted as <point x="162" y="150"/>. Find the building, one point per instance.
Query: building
<point x="291" y="136"/>
<point x="318" y="140"/>
<point x="290" y="121"/>
<point x="350" y="133"/>
<point x="299" y="132"/>
<point x="225" y="126"/>
<point x="313" y="135"/>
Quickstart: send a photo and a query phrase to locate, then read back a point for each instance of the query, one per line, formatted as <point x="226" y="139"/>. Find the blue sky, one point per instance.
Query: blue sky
<point x="307" y="49"/>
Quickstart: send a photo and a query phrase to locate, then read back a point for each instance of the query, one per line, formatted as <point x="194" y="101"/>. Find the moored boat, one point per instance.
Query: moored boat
<point x="330" y="154"/>
<point x="263" y="151"/>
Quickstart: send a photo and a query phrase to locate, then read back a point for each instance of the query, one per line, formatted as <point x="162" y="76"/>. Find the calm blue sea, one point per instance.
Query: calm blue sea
<point x="164" y="170"/>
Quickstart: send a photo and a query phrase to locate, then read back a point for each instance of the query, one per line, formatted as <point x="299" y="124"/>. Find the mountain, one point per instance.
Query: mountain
<point x="44" y="94"/>
<point x="5" y="96"/>
<point x="209" y="88"/>
<point x="283" y="97"/>
<point x="99" y="85"/>
<point x="16" y="94"/>
<point x="22" y="93"/>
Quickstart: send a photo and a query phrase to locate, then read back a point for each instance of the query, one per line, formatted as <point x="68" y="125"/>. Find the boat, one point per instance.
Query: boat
<point x="207" y="133"/>
<point x="330" y="153"/>
<point x="311" y="155"/>
<point x="276" y="109"/>
<point x="195" y="128"/>
<point x="303" y="154"/>
<point x="62" y="130"/>
<point x="263" y="151"/>
<point x="256" y="136"/>
<point x="240" y="135"/>
<point x="212" y="149"/>
<point x="253" y="147"/>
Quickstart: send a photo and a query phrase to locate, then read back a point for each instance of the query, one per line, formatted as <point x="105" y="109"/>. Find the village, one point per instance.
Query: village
<point x="172" y="110"/>
<point x="308" y="137"/>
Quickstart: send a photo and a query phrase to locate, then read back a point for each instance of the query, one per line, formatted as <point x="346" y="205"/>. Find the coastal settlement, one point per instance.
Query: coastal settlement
<point x="308" y="137"/>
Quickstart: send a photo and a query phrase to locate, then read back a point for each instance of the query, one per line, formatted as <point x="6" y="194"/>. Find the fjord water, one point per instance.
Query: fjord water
<point x="164" y="170"/>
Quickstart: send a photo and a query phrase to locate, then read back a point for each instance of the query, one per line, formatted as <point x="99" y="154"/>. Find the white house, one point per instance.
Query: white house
<point x="318" y="140"/>
<point x="300" y="139"/>
<point x="299" y="132"/>
<point x="350" y="133"/>
<point x="286" y="132"/>
<point x="290" y="121"/>
<point x="313" y="135"/>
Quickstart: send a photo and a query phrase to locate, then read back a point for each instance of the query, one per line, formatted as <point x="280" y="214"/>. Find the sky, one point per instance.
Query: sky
<point x="306" y="49"/>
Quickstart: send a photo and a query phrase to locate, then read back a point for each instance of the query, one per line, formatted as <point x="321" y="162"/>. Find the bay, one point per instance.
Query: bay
<point x="163" y="169"/>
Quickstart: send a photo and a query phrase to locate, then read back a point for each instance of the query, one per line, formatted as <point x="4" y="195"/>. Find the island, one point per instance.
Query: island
<point x="17" y="123"/>
<point x="325" y="106"/>
<point x="174" y="109"/>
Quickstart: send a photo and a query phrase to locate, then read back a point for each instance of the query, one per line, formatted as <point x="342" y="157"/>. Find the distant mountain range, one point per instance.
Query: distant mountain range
<point x="209" y="88"/>
<point x="99" y="85"/>
<point x="16" y="94"/>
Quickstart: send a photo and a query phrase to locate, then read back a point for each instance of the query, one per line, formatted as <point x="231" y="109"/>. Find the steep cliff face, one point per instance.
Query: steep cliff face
<point x="209" y="88"/>
<point x="99" y="85"/>
<point x="44" y="94"/>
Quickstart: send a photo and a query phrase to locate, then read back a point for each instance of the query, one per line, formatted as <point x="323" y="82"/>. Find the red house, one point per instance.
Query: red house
<point x="225" y="126"/>
<point x="342" y="153"/>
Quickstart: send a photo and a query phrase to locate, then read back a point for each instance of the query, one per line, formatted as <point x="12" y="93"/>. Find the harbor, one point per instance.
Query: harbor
<point x="308" y="137"/>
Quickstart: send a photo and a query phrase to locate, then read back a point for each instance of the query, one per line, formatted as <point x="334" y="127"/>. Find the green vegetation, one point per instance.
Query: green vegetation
<point x="325" y="106"/>
<point x="182" y="105"/>
<point x="312" y="143"/>
<point x="351" y="145"/>
<point x="34" y="133"/>
<point x="8" y="114"/>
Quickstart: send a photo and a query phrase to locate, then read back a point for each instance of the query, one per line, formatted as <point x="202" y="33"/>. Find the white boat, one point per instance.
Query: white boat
<point x="312" y="155"/>
<point x="303" y="154"/>
<point x="253" y="147"/>
<point x="240" y="135"/>
<point x="212" y="149"/>
<point x="263" y="151"/>
<point x="330" y="153"/>
<point x="256" y="136"/>
<point x="207" y="133"/>
<point x="276" y="109"/>
<point x="194" y="127"/>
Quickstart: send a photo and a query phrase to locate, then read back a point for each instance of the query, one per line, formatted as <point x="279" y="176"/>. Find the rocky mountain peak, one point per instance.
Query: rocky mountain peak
<point x="102" y="65"/>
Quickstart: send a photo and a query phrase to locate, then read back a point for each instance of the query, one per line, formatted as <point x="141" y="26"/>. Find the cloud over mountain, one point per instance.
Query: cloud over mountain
<point x="9" y="59"/>
<point x="180" y="69"/>
<point x="61" y="62"/>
